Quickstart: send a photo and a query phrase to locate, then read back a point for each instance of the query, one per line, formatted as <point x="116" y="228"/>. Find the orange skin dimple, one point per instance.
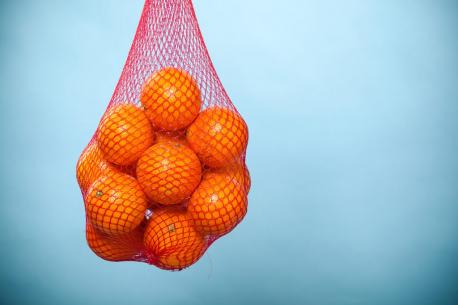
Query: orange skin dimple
<point x="91" y="166"/>
<point x="219" y="136"/>
<point x="172" y="241"/>
<point x="169" y="172"/>
<point x="124" y="134"/>
<point x="171" y="99"/>
<point x="218" y="204"/>
<point x="115" y="203"/>
<point x="115" y="248"/>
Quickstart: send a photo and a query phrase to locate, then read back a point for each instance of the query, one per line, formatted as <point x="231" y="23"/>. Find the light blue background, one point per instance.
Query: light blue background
<point x="352" y="108"/>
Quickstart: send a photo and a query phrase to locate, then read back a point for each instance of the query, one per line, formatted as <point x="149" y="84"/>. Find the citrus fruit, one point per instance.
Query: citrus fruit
<point x="238" y="173"/>
<point x="124" y="134"/>
<point x="171" y="99"/>
<point x="219" y="136"/>
<point x="90" y="166"/>
<point x="168" y="172"/>
<point x="114" y="248"/>
<point x="218" y="204"/>
<point x="246" y="179"/>
<point x="171" y="137"/>
<point x="115" y="203"/>
<point x="241" y="175"/>
<point x="172" y="240"/>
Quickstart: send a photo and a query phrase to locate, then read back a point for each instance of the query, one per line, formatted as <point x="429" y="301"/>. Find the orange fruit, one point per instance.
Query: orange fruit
<point x="124" y="134"/>
<point x="219" y="136"/>
<point x="242" y="175"/>
<point x="246" y="179"/>
<point x="128" y="169"/>
<point x="115" y="203"/>
<point x="114" y="248"/>
<point x="238" y="173"/>
<point x="171" y="239"/>
<point x="168" y="172"/>
<point x="171" y="137"/>
<point x="171" y="99"/>
<point x="218" y="204"/>
<point x="90" y="166"/>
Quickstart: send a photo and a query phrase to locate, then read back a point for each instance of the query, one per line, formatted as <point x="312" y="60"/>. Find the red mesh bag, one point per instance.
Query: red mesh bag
<point x="164" y="175"/>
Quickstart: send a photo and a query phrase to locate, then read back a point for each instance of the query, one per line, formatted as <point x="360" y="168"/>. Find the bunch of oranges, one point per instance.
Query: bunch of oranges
<point x="163" y="180"/>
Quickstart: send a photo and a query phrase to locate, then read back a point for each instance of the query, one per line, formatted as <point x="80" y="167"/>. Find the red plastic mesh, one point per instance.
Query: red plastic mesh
<point x="164" y="175"/>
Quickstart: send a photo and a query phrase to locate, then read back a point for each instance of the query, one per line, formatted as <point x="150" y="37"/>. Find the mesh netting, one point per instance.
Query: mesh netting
<point x="164" y="175"/>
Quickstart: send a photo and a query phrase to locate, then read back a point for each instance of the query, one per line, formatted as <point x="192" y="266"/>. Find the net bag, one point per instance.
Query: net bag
<point x="164" y="174"/>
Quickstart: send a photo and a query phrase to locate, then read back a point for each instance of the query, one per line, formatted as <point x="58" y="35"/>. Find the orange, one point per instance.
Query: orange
<point x="242" y="175"/>
<point x="124" y="134"/>
<point x="171" y="239"/>
<point x="128" y="169"/>
<point x="238" y="173"/>
<point x="90" y="166"/>
<point x="218" y="204"/>
<point x="168" y="172"/>
<point x="171" y="99"/>
<point x="114" y="248"/>
<point x="115" y="203"/>
<point x="171" y="137"/>
<point x="246" y="179"/>
<point x="219" y="136"/>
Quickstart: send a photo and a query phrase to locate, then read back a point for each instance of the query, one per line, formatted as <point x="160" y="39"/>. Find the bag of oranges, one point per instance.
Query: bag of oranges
<point x="164" y="175"/>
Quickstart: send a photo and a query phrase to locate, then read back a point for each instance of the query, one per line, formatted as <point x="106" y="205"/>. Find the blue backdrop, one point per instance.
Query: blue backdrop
<point x="352" y="108"/>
